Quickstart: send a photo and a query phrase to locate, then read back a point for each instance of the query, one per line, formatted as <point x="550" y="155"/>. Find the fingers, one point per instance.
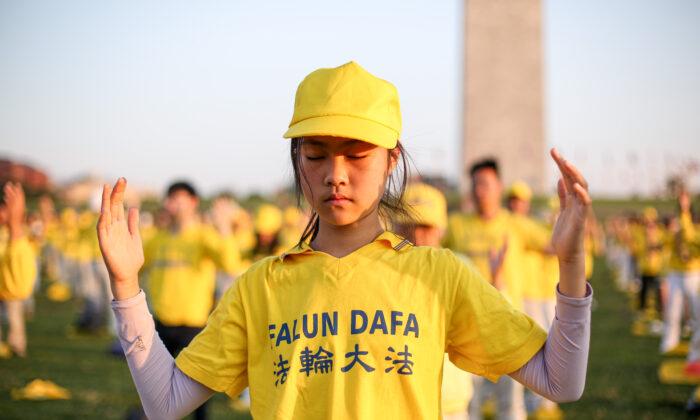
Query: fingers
<point x="14" y="196"/>
<point x="117" y="200"/>
<point x="8" y="192"/>
<point x="19" y="191"/>
<point x="133" y="221"/>
<point x="559" y="160"/>
<point x="105" y="213"/>
<point x="582" y="194"/>
<point x="568" y="171"/>
<point x="561" y="191"/>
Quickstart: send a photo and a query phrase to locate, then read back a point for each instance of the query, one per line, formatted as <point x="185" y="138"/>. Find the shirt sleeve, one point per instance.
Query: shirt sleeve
<point x="218" y="356"/>
<point x="486" y="335"/>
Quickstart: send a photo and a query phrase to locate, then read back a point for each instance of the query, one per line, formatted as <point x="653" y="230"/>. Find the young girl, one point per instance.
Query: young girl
<point x="355" y="320"/>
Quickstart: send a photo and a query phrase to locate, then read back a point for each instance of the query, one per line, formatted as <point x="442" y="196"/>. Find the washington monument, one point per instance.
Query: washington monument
<point x="503" y="93"/>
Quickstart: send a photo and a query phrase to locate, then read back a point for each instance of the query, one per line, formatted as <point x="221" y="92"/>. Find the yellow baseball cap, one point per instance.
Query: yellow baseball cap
<point x="650" y="213"/>
<point x="427" y="204"/>
<point x="520" y="190"/>
<point x="347" y="101"/>
<point x="268" y="219"/>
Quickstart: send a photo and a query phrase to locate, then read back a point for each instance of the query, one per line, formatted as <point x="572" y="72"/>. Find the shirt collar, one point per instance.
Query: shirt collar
<point x="387" y="238"/>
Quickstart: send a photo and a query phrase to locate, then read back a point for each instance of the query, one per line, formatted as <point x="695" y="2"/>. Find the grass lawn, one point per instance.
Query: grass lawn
<point x="100" y="383"/>
<point x="622" y="381"/>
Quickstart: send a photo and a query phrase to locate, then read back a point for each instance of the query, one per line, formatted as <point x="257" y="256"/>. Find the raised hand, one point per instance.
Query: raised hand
<point x="496" y="259"/>
<point x="569" y="230"/>
<point x="222" y="212"/>
<point x="120" y="241"/>
<point x="16" y="208"/>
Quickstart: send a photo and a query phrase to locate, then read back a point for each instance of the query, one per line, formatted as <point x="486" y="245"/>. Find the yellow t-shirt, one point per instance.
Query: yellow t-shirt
<point x="70" y="242"/>
<point x="17" y="267"/>
<point x="684" y="256"/>
<point x="651" y="249"/>
<point x="536" y="286"/>
<point x="475" y="236"/>
<point x="457" y="390"/>
<point x="181" y="272"/>
<point x="315" y="336"/>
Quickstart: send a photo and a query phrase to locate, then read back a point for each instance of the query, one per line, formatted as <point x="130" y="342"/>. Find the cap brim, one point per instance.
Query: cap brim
<point x="347" y="127"/>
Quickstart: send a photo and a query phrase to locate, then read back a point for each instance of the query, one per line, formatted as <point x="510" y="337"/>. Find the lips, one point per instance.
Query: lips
<point x="337" y="199"/>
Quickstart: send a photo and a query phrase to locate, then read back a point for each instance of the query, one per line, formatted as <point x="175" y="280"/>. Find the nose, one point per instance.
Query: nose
<point x="337" y="173"/>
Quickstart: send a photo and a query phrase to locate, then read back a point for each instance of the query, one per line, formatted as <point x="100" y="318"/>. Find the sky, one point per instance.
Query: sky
<point x="156" y="90"/>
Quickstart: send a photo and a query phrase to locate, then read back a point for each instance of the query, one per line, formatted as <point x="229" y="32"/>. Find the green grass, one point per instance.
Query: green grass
<point x="100" y="384"/>
<point x="622" y="381"/>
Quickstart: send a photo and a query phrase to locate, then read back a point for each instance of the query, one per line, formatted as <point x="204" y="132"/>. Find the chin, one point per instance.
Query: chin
<point x="338" y="217"/>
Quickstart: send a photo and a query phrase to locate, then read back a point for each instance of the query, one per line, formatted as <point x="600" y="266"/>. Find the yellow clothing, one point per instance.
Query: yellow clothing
<point x="245" y="239"/>
<point x="475" y="236"/>
<point x="88" y="248"/>
<point x="684" y="256"/>
<point x="544" y="272"/>
<point x="456" y="389"/>
<point x="589" y="248"/>
<point x="68" y="241"/>
<point x="315" y="336"/>
<point x="650" y="247"/>
<point x="17" y="268"/>
<point x="550" y="277"/>
<point x="536" y="285"/>
<point x="181" y="272"/>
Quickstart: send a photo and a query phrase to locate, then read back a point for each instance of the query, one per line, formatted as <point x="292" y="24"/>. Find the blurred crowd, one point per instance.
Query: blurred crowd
<point x="656" y="261"/>
<point x="193" y="256"/>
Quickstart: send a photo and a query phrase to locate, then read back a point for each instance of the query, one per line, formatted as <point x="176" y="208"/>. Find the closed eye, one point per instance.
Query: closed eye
<point x="356" y="157"/>
<point x="314" y="157"/>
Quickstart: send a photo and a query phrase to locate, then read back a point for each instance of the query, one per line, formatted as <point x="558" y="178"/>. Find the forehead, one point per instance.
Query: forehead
<point x="485" y="173"/>
<point x="180" y="194"/>
<point x="336" y="143"/>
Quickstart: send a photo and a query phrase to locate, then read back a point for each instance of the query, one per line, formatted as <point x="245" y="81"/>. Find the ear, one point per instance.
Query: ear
<point x="394" y="155"/>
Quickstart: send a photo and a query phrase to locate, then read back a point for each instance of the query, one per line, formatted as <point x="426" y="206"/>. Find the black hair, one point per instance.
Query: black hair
<point x="182" y="186"/>
<point x="391" y="205"/>
<point x="488" y="163"/>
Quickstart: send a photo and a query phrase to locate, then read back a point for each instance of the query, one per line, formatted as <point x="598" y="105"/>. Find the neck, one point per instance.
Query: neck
<point x="180" y="225"/>
<point x="340" y="241"/>
<point x="489" y="213"/>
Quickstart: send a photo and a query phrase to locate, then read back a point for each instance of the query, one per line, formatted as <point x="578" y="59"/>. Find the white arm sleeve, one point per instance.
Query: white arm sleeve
<point x="558" y="370"/>
<point x="166" y="392"/>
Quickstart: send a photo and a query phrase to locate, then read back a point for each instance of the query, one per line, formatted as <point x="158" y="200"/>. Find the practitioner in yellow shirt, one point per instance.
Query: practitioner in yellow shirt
<point x="651" y="252"/>
<point x="481" y="236"/>
<point x="540" y="274"/>
<point x="180" y="261"/>
<point x="93" y="278"/>
<point x="682" y="280"/>
<point x="268" y="225"/>
<point x="429" y="209"/>
<point x="355" y="320"/>
<point x="518" y="198"/>
<point x="180" y="268"/>
<point x="17" y="267"/>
